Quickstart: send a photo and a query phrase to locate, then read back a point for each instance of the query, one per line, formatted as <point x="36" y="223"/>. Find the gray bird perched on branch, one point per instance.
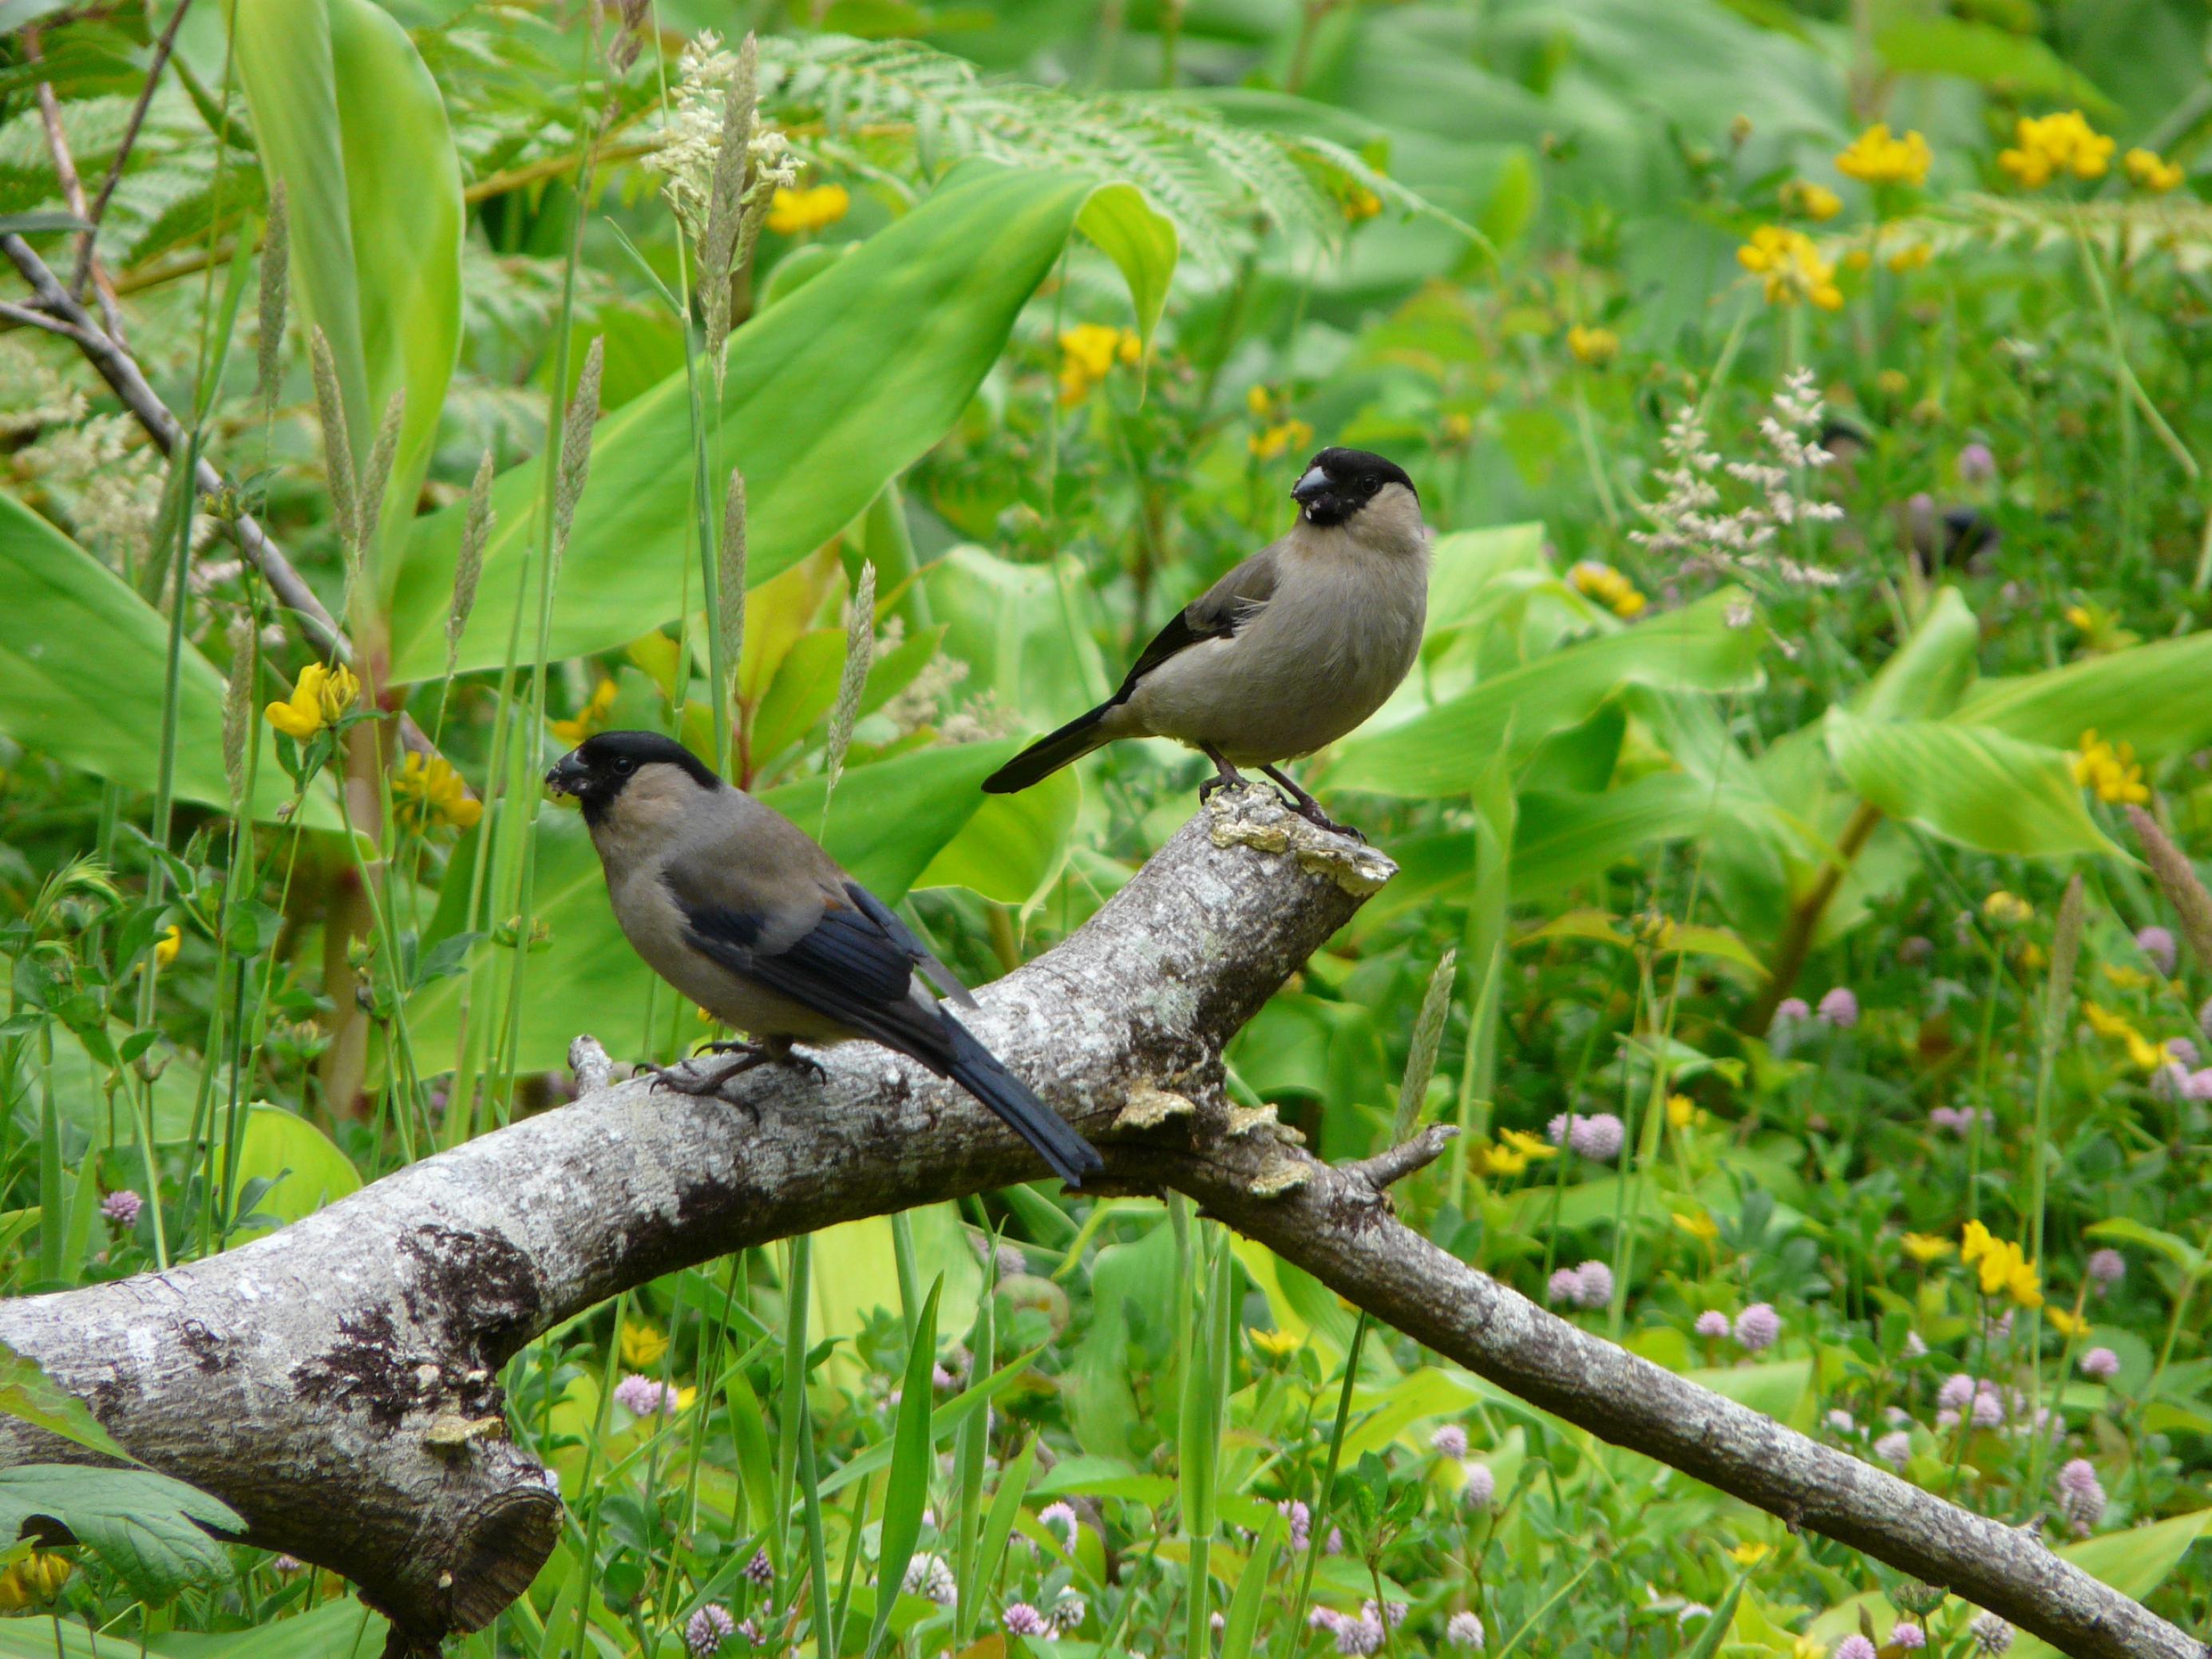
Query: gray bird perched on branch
<point x="1288" y="652"/>
<point x="741" y="911"/>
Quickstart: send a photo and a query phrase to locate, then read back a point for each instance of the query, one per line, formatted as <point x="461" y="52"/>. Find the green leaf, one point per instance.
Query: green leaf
<point x="27" y="1393"/>
<point x="1566" y="839"/>
<point x="1005" y="1508"/>
<point x="342" y="1628"/>
<point x="829" y="396"/>
<point x="1121" y="223"/>
<point x="1242" y="1623"/>
<point x="82" y="661"/>
<point x="2151" y="696"/>
<point x="1966" y="784"/>
<point x="307" y="1169"/>
<point x="2128" y="1230"/>
<point x="1436" y="753"/>
<point x="1717" y="1622"/>
<point x="912" y="1464"/>
<point x="2017" y="64"/>
<point x="1925" y="677"/>
<point x="1012" y="848"/>
<point x="141" y="1524"/>
<point x="347" y="117"/>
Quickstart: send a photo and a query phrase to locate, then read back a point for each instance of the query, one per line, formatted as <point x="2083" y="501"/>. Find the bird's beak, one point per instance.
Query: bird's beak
<point x="567" y="775"/>
<point x="1311" y="487"/>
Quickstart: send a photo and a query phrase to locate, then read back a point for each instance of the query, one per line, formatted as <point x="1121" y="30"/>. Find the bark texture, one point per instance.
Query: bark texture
<point x="335" y="1381"/>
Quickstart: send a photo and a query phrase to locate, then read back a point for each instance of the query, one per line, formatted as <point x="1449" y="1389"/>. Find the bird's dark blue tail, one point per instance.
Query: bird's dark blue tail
<point x="977" y="1070"/>
<point x="1048" y="754"/>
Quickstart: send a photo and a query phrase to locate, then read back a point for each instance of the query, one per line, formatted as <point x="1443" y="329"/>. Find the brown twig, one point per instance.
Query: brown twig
<point x="116" y="366"/>
<point x="162" y="48"/>
<point x="1795" y="944"/>
<point x="50" y="117"/>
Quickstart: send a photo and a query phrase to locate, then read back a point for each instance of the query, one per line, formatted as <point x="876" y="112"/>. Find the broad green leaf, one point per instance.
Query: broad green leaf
<point x="1465" y="568"/>
<point x="1697" y="939"/>
<point x="829" y="395"/>
<point x="2151" y="696"/>
<point x="313" y="1172"/>
<point x="1718" y="1621"/>
<point x="2128" y="1230"/>
<point x="1006" y="1507"/>
<point x="347" y="115"/>
<point x="907" y="1494"/>
<point x="1014" y="846"/>
<point x="1242" y="1623"/>
<point x="2017" y="64"/>
<point x="1566" y="840"/>
<point x="1122" y="224"/>
<point x="25" y="1392"/>
<point x="141" y="1524"/>
<point x="1966" y="784"/>
<point x="337" y="1630"/>
<point x="1379" y="1417"/>
<point x="855" y="1275"/>
<point x="1017" y="628"/>
<point x="891" y="819"/>
<point x="1925" y="677"/>
<point x="1777" y="1388"/>
<point x="1437" y="753"/>
<point x="83" y="661"/>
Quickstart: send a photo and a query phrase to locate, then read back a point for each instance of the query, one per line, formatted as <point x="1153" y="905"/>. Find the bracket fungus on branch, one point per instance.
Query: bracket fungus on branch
<point x="333" y="1380"/>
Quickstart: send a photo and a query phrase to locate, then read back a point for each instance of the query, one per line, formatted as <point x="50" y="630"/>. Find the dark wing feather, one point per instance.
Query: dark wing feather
<point x="846" y="966"/>
<point x="942" y="979"/>
<point x="1216" y="614"/>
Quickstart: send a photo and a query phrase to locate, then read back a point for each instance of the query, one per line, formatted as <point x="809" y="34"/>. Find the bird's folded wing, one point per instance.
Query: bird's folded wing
<point x="1216" y="614"/>
<point x="942" y="979"/>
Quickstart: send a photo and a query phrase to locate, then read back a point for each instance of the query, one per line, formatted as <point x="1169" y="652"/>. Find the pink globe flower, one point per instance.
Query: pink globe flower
<point x="1712" y="1325"/>
<point x="1449" y="1441"/>
<point x="1481" y="1486"/>
<point x="2157" y="944"/>
<point x="1854" y="1647"/>
<point x="1756" y="1327"/>
<point x="1840" y="1009"/>
<point x="2101" y="1364"/>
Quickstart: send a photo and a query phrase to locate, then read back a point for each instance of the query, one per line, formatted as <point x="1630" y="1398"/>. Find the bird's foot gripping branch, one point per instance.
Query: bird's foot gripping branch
<point x="335" y="1381"/>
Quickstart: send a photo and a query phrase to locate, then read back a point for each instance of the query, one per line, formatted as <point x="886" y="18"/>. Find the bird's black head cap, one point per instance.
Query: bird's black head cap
<point x="1338" y="482"/>
<point x="597" y="770"/>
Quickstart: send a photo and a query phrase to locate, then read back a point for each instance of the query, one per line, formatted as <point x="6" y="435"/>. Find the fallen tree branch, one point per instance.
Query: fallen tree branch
<point x="332" y="1381"/>
<point x="116" y="366"/>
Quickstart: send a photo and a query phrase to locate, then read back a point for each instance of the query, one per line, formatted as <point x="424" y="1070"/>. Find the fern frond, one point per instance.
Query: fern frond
<point x="2129" y="230"/>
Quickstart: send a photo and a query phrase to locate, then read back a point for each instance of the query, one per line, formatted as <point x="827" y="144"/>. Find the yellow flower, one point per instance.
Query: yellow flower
<point x="171" y="942"/>
<point x="641" y="1346"/>
<point x="1285" y="438"/>
<point x="2146" y="1055"/>
<point x="2066" y="1324"/>
<point x="1807" y="1647"/>
<point x="1260" y="402"/>
<point x="1699" y="1226"/>
<point x="1275" y="1343"/>
<point x="2126" y="978"/>
<point x="1088" y="353"/>
<point x="1527" y="1145"/>
<point x="1596" y="346"/>
<point x="1608" y="586"/>
<point x="2148" y="171"/>
<point x="321" y="698"/>
<point x="1459" y="427"/>
<point x="1362" y="203"/>
<point x="2110" y="771"/>
<point x="1750" y="1555"/>
<point x="33" y="1580"/>
<point x="591" y="717"/>
<point x="1681" y="1111"/>
<point x="1816" y="202"/>
<point x="430" y="791"/>
<point x="2051" y="144"/>
<point x="1925" y="1248"/>
<point x="2007" y="909"/>
<point x="1500" y="1161"/>
<point x="1790" y="268"/>
<point x="791" y="211"/>
<point x="1892" y="383"/>
<point x="1876" y="158"/>
<point x="1911" y="258"/>
<point x="1975" y="1242"/>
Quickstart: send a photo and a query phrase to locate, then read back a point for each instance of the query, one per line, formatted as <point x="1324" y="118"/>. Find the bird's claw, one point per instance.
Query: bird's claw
<point x="683" y="1080"/>
<point x="1321" y="820"/>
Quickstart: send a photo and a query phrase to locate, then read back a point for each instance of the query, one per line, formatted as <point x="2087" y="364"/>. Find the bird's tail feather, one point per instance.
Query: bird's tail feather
<point x="1048" y="754"/>
<point x="977" y="1070"/>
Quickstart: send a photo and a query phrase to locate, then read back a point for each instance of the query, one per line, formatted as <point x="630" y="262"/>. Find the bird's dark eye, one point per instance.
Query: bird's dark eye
<point x="624" y="765"/>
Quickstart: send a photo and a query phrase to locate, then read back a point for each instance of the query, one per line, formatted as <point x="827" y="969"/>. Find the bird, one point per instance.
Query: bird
<point x="743" y="912"/>
<point x="1292" y="649"/>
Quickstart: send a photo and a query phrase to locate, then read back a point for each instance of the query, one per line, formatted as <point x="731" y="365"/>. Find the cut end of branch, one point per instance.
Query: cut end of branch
<point x="1253" y="816"/>
<point x="1385" y="1169"/>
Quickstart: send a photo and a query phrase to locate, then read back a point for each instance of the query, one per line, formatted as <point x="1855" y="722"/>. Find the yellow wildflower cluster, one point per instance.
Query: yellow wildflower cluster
<point x="1910" y="257"/>
<point x="591" y="717"/>
<point x="1876" y="157"/>
<point x="1088" y="353"/>
<point x="1681" y="1111"/>
<point x="169" y="945"/>
<point x="1926" y="1248"/>
<point x="1750" y="1555"/>
<point x="1698" y="1224"/>
<point x="791" y="212"/>
<point x="2147" y="170"/>
<point x="2144" y="1054"/>
<point x="2006" y="909"/>
<point x="1280" y="433"/>
<point x="2004" y="1267"/>
<point x="1608" y="586"/>
<point x="1516" y="1149"/>
<point x="2068" y="1325"/>
<point x="1362" y="203"/>
<point x="2048" y="145"/>
<point x="33" y="1580"/>
<point x="1811" y="200"/>
<point x="425" y="792"/>
<point x="1596" y="346"/>
<point x="2110" y="771"/>
<point x="1276" y="1344"/>
<point x="641" y="1345"/>
<point x="320" y="699"/>
<point x="1791" y="267"/>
